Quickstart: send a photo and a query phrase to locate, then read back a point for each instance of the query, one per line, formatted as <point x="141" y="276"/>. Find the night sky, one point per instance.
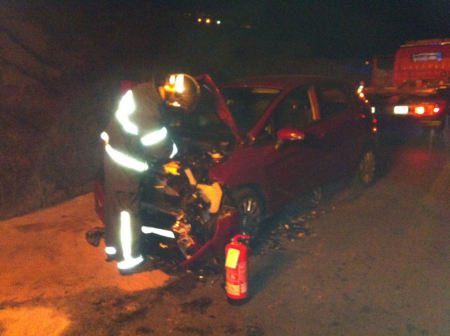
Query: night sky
<point x="254" y="35"/>
<point x="334" y="29"/>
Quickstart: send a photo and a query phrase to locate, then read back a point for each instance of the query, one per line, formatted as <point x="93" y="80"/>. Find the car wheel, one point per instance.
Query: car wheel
<point x="367" y="167"/>
<point x="251" y="207"/>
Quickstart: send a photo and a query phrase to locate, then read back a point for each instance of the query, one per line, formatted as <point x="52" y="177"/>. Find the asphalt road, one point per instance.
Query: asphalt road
<point x="363" y="262"/>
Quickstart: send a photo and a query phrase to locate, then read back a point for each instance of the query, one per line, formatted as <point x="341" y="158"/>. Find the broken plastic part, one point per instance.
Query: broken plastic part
<point x="190" y="176"/>
<point x="185" y="241"/>
<point x="172" y="167"/>
<point x="211" y="194"/>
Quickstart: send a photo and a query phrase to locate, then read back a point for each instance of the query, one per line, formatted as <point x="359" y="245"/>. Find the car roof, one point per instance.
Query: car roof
<point x="275" y="81"/>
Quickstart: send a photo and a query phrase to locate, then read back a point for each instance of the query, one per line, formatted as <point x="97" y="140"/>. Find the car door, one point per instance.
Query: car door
<point x="339" y="130"/>
<point x="291" y="167"/>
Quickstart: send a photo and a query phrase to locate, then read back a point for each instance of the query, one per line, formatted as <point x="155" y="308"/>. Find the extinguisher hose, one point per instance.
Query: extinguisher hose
<point x="240" y="236"/>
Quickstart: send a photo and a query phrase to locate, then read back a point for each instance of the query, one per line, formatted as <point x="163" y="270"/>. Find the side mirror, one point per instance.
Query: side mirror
<point x="290" y="134"/>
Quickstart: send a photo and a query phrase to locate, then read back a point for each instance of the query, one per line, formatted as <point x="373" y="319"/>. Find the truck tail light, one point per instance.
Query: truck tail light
<point x="420" y="110"/>
<point x="427" y="109"/>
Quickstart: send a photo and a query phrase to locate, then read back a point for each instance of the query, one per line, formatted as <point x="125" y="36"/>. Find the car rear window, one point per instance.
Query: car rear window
<point x="247" y="105"/>
<point x="333" y="99"/>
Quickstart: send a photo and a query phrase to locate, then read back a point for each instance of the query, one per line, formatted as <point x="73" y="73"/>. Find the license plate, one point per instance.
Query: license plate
<point x="401" y="109"/>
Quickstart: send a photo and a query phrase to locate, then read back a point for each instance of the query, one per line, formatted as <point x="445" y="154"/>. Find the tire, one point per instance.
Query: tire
<point x="367" y="167"/>
<point x="251" y="207"/>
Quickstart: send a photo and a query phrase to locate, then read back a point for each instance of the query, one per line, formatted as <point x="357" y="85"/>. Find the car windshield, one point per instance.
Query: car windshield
<point x="247" y="105"/>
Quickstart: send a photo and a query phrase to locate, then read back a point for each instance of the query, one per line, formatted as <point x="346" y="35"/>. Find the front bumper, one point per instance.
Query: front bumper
<point x="156" y="237"/>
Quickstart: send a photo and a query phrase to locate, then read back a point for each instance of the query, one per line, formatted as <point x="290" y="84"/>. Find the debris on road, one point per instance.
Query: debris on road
<point x="198" y="305"/>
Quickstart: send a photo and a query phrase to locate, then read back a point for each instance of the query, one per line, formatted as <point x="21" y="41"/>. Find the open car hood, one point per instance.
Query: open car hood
<point x="222" y="108"/>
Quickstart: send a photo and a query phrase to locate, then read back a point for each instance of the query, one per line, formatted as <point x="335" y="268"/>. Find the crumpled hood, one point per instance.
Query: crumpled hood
<point x="221" y="107"/>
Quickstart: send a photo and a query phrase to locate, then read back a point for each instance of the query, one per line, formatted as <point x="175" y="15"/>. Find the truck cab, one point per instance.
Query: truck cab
<point x="418" y="89"/>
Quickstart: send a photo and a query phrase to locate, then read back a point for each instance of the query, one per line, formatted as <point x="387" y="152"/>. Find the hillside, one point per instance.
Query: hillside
<point x="61" y="64"/>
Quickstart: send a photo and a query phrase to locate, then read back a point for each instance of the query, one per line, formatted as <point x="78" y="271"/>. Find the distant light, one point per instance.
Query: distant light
<point x="372" y="109"/>
<point x="208" y="21"/>
<point x="436" y="109"/>
<point x="366" y="62"/>
<point x="360" y="88"/>
<point x="199" y="20"/>
<point x="218" y="22"/>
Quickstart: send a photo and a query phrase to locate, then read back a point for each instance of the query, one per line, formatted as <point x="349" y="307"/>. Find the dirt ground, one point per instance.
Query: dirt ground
<point x="45" y="256"/>
<point x="364" y="262"/>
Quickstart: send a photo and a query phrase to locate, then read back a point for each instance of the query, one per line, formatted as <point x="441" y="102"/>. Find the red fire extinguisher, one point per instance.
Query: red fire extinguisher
<point x="236" y="254"/>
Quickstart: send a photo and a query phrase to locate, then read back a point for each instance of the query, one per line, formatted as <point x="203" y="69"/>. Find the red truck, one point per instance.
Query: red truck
<point x="417" y="88"/>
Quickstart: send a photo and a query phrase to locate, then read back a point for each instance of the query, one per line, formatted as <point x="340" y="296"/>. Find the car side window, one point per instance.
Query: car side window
<point x="294" y="110"/>
<point x="332" y="100"/>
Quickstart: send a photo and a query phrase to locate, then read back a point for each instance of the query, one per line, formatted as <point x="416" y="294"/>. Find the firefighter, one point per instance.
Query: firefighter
<point x="136" y="142"/>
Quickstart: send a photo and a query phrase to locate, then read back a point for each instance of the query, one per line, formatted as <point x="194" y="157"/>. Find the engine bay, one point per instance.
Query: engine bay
<point x="180" y="197"/>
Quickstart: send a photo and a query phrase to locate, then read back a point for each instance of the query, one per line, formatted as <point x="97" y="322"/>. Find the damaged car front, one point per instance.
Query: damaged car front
<point x="183" y="213"/>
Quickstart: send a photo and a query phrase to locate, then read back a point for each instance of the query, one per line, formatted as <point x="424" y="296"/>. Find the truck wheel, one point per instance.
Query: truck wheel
<point x="252" y="210"/>
<point x="367" y="167"/>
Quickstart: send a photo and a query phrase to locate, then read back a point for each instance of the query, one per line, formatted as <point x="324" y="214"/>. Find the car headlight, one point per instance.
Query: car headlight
<point x="126" y="107"/>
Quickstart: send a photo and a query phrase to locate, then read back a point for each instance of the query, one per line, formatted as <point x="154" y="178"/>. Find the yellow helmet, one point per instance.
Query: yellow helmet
<point x="180" y="90"/>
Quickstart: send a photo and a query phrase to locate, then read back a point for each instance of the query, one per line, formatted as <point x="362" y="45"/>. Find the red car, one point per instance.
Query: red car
<point x="251" y="147"/>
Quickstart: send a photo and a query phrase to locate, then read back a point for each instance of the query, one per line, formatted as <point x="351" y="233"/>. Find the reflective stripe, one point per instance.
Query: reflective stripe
<point x="125" y="160"/>
<point x="159" y="232"/>
<point x="174" y="150"/>
<point x="126" y="108"/>
<point x="130" y="263"/>
<point x="126" y="241"/>
<point x="179" y="84"/>
<point x="121" y="158"/>
<point x="110" y="250"/>
<point x="105" y="137"/>
<point x="152" y="138"/>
